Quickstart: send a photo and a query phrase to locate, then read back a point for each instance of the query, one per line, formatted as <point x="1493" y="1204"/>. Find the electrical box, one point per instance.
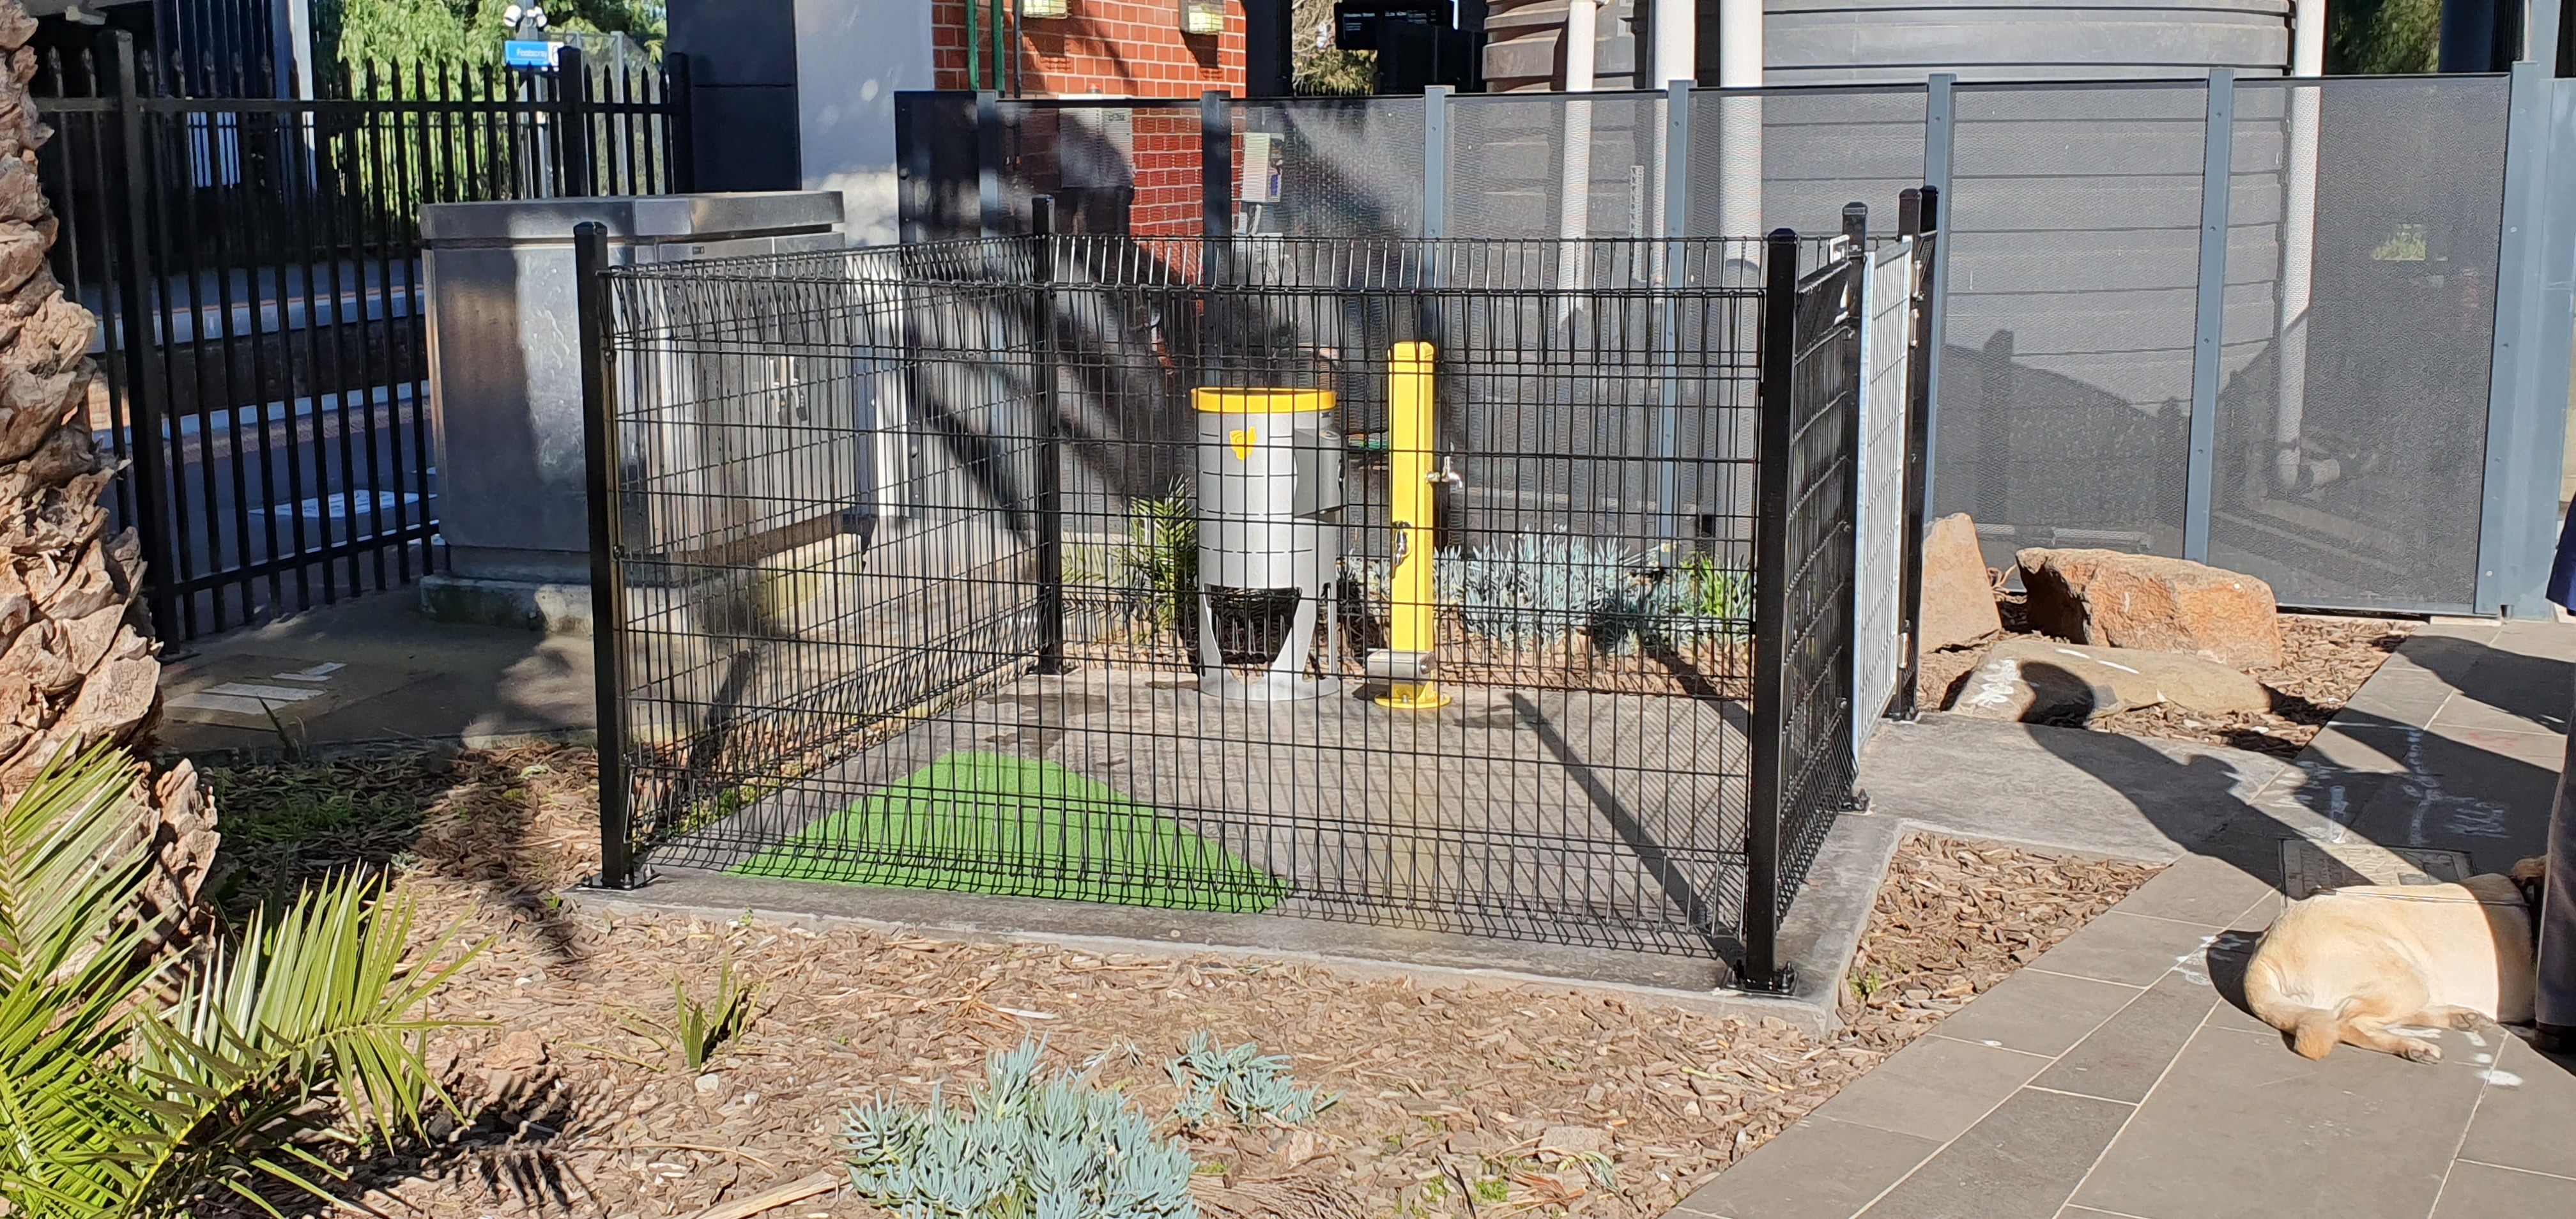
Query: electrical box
<point x="1261" y="158"/>
<point x="1096" y="147"/>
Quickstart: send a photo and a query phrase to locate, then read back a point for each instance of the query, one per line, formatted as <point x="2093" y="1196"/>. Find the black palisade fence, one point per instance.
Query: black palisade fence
<point x="255" y="265"/>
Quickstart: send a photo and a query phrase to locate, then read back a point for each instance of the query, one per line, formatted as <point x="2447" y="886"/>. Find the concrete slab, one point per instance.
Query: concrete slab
<point x="2266" y="1134"/>
<point x="2527" y="1118"/>
<point x="1935" y="1088"/>
<point x="1825" y="1170"/>
<point x="2038" y="1012"/>
<point x="2128" y="949"/>
<point x="387" y="680"/>
<point x="2019" y="1163"/>
<point x="2479" y="1191"/>
<point x="2069" y="788"/>
<point x="2123" y="1059"/>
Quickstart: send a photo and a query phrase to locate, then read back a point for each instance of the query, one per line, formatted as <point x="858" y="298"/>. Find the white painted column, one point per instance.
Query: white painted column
<point x="1574" y="183"/>
<point x="2298" y="239"/>
<point x="1676" y="57"/>
<point x="1739" y="119"/>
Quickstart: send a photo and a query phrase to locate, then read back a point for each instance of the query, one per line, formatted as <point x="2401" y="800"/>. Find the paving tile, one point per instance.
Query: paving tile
<point x="2525" y="1123"/>
<point x="2119" y="947"/>
<point x="2241" y="1128"/>
<point x="2476" y="1191"/>
<point x="2125" y="1057"/>
<point x="2197" y="889"/>
<point x="1934" y="1088"/>
<point x="2019" y="1163"/>
<point x="2402" y="698"/>
<point x="1817" y="1169"/>
<point x="2038" y="1012"/>
<point x="2510" y="712"/>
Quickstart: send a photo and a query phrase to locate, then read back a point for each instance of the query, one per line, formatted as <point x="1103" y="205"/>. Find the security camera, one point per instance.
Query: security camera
<point x="510" y="15"/>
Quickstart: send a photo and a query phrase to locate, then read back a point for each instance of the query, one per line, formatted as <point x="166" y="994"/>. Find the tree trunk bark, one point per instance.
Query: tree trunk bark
<point x="78" y="665"/>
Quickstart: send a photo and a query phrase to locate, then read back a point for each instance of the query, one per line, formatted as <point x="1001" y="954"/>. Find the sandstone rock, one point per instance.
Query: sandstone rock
<point x="1958" y="600"/>
<point x="1574" y="1141"/>
<point x="2044" y="680"/>
<point x="2157" y="604"/>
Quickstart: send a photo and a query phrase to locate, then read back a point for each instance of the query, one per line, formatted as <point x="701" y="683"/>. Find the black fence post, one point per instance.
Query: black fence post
<point x="1050" y="459"/>
<point x="1775" y="444"/>
<point x="137" y="343"/>
<point x="1921" y="218"/>
<point x="572" y="122"/>
<point x="607" y="592"/>
<point x="679" y="118"/>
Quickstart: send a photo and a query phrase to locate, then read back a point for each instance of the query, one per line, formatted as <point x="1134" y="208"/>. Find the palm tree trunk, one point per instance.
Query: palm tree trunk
<point x="78" y="664"/>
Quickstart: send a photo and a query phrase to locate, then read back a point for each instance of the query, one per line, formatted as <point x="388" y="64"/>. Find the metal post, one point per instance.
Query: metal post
<point x="680" y="112"/>
<point x="988" y="161"/>
<point x="1216" y="182"/>
<point x="2210" y="318"/>
<point x="141" y="345"/>
<point x="1435" y="162"/>
<point x="1050" y="458"/>
<point x="607" y="592"/>
<point x="1774" y="444"/>
<point x="1668" y="312"/>
<point x="1940" y="137"/>
<point x="572" y="122"/>
<point x="2526" y="407"/>
<point x="1923" y="224"/>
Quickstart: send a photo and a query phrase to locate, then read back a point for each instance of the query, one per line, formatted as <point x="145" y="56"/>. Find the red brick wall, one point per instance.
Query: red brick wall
<point x="1120" y="47"/>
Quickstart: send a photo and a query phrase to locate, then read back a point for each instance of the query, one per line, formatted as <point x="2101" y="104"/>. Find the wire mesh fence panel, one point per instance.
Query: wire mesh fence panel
<point x="1887" y="356"/>
<point x="2066" y="387"/>
<point x="1395" y="581"/>
<point x="2351" y="455"/>
<point x="1821" y="524"/>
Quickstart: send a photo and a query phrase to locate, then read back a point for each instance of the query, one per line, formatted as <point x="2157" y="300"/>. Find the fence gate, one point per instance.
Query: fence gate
<point x="255" y="267"/>
<point x="1495" y="588"/>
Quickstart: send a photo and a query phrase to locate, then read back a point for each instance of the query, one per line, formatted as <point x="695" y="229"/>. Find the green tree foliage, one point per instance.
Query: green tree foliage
<point x="2370" y="37"/>
<point x="404" y="32"/>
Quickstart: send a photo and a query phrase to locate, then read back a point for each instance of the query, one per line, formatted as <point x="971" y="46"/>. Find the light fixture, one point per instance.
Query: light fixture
<point x="1042" y="10"/>
<point x="1202" y="16"/>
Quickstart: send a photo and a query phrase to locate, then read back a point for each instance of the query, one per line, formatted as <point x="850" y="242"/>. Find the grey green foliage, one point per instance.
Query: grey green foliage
<point x="1539" y="588"/>
<point x="1243" y="1083"/>
<point x="1026" y="1145"/>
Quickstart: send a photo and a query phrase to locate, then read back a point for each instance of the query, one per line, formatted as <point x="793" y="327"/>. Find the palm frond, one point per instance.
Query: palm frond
<point x="320" y="1003"/>
<point x="69" y="861"/>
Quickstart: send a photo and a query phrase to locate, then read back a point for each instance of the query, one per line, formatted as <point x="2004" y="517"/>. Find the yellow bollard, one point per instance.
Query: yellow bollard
<point x="1411" y="486"/>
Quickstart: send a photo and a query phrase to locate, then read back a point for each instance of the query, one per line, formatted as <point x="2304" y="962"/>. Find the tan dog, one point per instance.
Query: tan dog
<point x="2345" y="964"/>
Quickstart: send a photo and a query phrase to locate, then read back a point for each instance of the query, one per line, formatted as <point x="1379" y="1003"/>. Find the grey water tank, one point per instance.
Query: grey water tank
<point x="1827" y="42"/>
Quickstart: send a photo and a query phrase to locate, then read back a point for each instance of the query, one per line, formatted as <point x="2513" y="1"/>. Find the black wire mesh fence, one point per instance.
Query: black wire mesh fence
<point x="1445" y="584"/>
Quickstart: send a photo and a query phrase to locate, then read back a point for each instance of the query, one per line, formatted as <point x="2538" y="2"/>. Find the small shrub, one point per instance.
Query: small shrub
<point x="1247" y="1085"/>
<point x="1539" y="588"/>
<point x="696" y="1030"/>
<point x="1160" y="559"/>
<point x="1025" y="1145"/>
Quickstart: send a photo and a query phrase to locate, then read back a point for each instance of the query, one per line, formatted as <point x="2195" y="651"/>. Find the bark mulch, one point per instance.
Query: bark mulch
<point x="1457" y="1099"/>
<point x="2325" y="659"/>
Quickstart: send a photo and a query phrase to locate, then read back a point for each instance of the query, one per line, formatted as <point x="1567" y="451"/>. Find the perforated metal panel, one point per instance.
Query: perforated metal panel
<point x="1510" y="175"/>
<point x="2359" y="333"/>
<point x="1817" y="150"/>
<point x="1348" y="167"/>
<point x="2074" y="219"/>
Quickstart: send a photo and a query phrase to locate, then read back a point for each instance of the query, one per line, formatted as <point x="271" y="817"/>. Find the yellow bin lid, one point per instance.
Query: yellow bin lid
<point x="1261" y="401"/>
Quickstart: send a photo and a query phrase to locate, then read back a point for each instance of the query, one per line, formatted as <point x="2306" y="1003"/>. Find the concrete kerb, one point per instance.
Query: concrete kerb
<point x="1357" y="950"/>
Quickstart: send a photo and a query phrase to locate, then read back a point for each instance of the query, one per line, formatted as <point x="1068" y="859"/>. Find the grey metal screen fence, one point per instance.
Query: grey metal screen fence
<point x="1496" y="588"/>
<point x="2267" y="343"/>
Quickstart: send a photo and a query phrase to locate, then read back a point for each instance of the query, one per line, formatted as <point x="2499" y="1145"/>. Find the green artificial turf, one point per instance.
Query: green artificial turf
<point x="994" y="823"/>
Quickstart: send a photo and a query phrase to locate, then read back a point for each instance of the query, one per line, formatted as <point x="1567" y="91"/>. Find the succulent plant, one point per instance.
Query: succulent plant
<point x="1247" y="1085"/>
<point x="1026" y="1145"/>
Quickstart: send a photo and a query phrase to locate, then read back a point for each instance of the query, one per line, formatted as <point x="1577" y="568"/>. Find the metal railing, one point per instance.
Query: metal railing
<point x="254" y="263"/>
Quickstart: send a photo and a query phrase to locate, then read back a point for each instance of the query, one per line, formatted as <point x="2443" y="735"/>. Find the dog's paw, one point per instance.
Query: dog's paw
<point x="2466" y="1019"/>
<point x="2420" y="1051"/>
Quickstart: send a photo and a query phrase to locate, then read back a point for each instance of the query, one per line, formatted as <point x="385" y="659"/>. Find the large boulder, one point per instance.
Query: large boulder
<point x="1958" y="599"/>
<point x="2152" y="603"/>
<point x="2044" y="680"/>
